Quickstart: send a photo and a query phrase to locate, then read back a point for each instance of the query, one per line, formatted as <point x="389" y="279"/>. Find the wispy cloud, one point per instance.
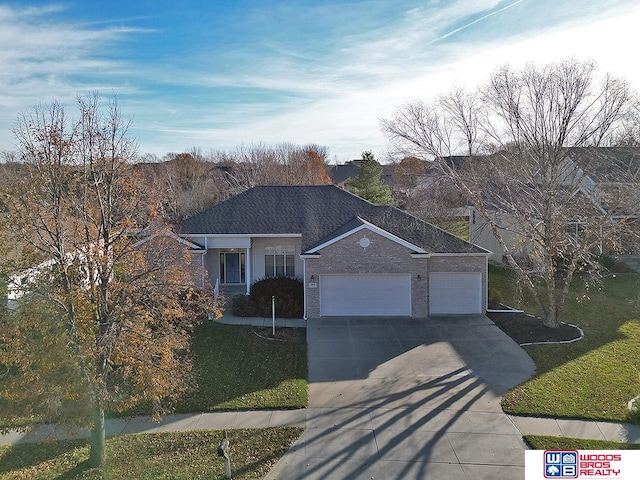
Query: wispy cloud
<point x="322" y="71"/>
<point x="415" y="58"/>
<point x="477" y="20"/>
<point x="43" y="57"/>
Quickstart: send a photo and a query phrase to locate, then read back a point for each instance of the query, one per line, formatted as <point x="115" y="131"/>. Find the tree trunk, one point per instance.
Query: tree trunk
<point x="97" y="455"/>
<point x="551" y="319"/>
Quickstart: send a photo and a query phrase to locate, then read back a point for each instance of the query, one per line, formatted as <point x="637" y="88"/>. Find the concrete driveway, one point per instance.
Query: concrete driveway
<point x="402" y="398"/>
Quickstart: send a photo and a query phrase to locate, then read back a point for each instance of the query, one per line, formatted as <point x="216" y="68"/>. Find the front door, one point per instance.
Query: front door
<point x="232" y="267"/>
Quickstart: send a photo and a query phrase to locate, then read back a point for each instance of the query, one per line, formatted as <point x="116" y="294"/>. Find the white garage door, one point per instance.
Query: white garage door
<point x="455" y="292"/>
<point x="365" y="295"/>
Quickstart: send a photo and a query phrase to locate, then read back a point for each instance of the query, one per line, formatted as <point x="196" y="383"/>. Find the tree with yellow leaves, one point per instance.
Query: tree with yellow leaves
<point x="106" y="320"/>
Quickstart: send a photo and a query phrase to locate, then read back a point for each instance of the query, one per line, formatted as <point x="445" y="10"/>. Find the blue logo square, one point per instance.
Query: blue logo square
<point x="560" y="464"/>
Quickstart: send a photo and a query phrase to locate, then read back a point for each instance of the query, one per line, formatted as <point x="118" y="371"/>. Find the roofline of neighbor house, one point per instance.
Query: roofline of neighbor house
<point x="170" y="234"/>
<point x="241" y="235"/>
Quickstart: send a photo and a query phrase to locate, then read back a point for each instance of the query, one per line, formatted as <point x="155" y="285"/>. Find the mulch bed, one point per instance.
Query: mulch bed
<point x="285" y="334"/>
<point x="524" y="328"/>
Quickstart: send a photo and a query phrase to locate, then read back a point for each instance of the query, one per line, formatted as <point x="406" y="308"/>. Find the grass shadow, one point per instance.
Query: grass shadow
<point x="24" y="456"/>
<point x="78" y="471"/>
<point x="161" y="455"/>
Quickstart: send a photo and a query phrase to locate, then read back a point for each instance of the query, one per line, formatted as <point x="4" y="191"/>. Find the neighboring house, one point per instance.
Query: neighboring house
<point x="21" y="284"/>
<point x="341" y="174"/>
<point x="480" y="233"/>
<point x="354" y="258"/>
<point x="159" y="238"/>
<point x="155" y="238"/>
<point x="602" y="175"/>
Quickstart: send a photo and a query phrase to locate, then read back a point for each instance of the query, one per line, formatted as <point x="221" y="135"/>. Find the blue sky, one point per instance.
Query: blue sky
<point x="216" y="74"/>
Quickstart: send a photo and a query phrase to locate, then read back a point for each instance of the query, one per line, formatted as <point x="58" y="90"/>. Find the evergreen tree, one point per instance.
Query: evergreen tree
<point x="368" y="183"/>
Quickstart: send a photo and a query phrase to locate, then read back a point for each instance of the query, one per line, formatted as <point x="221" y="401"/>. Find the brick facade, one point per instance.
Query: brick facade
<point x="382" y="256"/>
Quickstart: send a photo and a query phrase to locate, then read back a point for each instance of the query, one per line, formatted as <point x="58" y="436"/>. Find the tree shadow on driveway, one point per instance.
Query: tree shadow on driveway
<point x="407" y="398"/>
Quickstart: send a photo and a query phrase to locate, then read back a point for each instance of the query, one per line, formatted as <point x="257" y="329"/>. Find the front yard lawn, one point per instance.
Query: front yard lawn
<point x="183" y="455"/>
<point x="238" y="370"/>
<point x="593" y="378"/>
<point x="541" y="442"/>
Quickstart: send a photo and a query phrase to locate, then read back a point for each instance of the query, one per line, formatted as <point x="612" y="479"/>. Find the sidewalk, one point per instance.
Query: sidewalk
<point x="589" y="429"/>
<point x="171" y="423"/>
<point x="230" y="319"/>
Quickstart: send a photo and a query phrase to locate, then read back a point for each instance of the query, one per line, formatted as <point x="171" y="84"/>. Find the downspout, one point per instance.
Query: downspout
<point x="202" y="266"/>
<point x="304" y="288"/>
<point x="601" y="243"/>
<point x="206" y="250"/>
<point x="485" y="300"/>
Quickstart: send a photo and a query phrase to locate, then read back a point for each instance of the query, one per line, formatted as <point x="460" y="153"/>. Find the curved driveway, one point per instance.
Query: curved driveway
<point x="403" y="398"/>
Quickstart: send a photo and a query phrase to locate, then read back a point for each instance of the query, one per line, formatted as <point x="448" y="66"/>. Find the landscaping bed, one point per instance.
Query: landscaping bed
<point x="524" y="328"/>
<point x="284" y="334"/>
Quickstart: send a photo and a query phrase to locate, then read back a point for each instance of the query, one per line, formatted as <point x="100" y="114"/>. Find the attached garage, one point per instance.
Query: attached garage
<point x="370" y="295"/>
<point x="455" y="292"/>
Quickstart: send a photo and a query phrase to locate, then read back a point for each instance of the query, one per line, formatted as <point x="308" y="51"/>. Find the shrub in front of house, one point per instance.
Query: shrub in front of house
<point x="243" y="306"/>
<point x="288" y="292"/>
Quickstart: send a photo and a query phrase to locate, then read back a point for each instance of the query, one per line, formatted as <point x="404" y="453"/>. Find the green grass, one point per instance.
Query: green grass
<point x="185" y="455"/>
<point x="238" y="370"/>
<point x="593" y="378"/>
<point x="458" y="226"/>
<point x="540" y="442"/>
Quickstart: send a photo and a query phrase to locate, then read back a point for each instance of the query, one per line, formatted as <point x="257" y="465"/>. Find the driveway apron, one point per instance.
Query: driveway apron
<point x="404" y="398"/>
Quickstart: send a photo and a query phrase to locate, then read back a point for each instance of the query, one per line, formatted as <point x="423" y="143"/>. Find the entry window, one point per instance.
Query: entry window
<point x="279" y="261"/>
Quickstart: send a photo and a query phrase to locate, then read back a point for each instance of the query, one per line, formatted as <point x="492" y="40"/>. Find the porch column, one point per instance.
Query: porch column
<point x="247" y="268"/>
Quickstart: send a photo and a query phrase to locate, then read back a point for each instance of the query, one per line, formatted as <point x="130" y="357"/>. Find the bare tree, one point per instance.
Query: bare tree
<point x="281" y="164"/>
<point x="120" y="314"/>
<point x="190" y="182"/>
<point x="521" y="150"/>
<point x="629" y="134"/>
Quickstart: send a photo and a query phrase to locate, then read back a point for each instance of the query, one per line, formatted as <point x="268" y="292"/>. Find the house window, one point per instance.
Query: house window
<point x="279" y="261"/>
